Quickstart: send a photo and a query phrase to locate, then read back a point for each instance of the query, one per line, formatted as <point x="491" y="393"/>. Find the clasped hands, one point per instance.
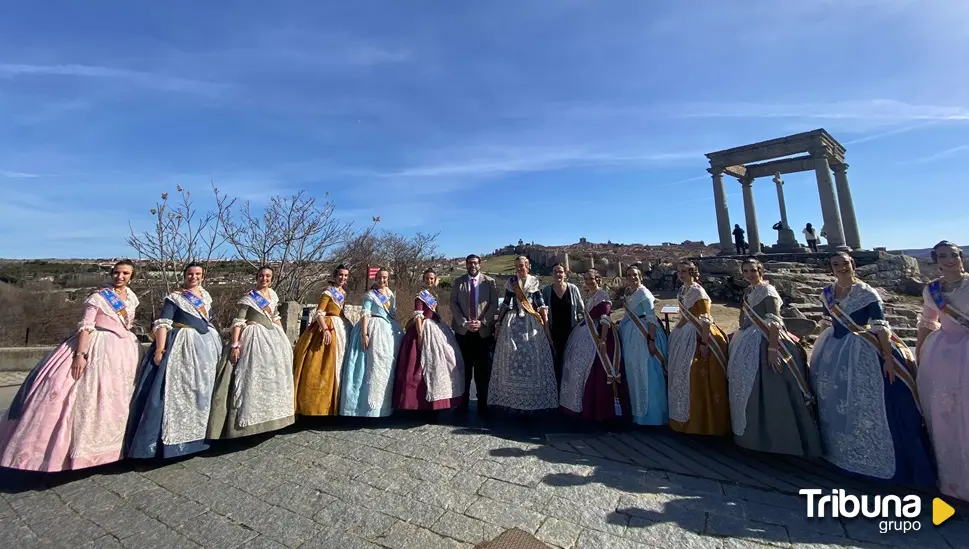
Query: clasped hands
<point x="472" y="325"/>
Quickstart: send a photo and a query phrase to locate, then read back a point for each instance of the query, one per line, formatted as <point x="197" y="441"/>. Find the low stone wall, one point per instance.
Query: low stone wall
<point x="22" y="359"/>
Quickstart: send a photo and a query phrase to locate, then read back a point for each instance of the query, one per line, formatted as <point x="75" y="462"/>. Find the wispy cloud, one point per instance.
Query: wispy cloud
<point x="534" y="160"/>
<point x="948" y="153"/>
<point x="18" y="175"/>
<point x="889" y="133"/>
<point x="142" y="79"/>
<point x="885" y="110"/>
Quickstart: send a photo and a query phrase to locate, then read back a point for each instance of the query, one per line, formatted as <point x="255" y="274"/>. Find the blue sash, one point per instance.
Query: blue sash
<point x="428" y="299"/>
<point x="261" y="301"/>
<point x="384" y="300"/>
<point x="336" y="295"/>
<point x="196" y="302"/>
<point x="115" y="302"/>
<point x="935" y="290"/>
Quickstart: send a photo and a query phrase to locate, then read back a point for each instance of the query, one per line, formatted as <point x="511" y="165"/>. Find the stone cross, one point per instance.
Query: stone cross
<point x="780" y="199"/>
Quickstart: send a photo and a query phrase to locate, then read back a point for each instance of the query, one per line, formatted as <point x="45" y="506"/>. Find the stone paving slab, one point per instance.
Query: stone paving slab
<point x="399" y="484"/>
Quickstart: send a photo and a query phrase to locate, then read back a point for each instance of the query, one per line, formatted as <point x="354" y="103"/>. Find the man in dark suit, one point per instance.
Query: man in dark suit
<point x="474" y="304"/>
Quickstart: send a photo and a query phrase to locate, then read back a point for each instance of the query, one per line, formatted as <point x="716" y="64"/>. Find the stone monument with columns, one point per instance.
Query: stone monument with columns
<point x="814" y="150"/>
<point x="786" y="240"/>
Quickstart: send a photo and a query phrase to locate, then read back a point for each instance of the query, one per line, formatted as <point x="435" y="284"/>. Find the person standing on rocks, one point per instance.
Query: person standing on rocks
<point x="771" y="403"/>
<point x="738" y="239"/>
<point x="863" y="376"/>
<point x="474" y="301"/>
<point x="811" y="237"/>
<point x="943" y="380"/>
<point x="697" y="364"/>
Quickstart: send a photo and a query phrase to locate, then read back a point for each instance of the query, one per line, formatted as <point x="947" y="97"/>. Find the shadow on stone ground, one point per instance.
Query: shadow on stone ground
<point x="540" y="472"/>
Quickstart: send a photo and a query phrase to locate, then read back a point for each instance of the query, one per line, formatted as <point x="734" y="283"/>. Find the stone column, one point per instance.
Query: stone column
<point x="780" y="199"/>
<point x="850" y="222"/>
<point x="834" y="232"/>
<point x="723" y="216"/>
<point x="753" y="235"/>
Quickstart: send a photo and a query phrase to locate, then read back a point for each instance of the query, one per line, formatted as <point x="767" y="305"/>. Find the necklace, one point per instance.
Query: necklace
<point x="951" y="285"/>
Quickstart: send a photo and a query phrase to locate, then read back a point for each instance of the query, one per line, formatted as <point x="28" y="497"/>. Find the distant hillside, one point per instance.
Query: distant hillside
<point x="921" y="253"/>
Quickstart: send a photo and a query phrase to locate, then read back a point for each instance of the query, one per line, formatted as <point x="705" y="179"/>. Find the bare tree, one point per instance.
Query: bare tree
<point x="181" y="234"/>
<point x="408" y="258"/>
<point x="295" y="234"/>
<point x="360" y="251"/>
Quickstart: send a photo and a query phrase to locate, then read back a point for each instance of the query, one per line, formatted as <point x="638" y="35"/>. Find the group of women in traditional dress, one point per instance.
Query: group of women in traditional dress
<point x="859" y="401"/>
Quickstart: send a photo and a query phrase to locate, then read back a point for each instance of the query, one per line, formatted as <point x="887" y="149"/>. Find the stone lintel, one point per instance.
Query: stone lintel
<point x="739" y="172"/>
<point x="799" y="143"/>
<point x="802" y="163"/>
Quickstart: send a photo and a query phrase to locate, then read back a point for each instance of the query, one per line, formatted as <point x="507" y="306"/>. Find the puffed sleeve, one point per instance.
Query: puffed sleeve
<point x="367" y="306"/>
<point x="240" y="319"/>
<point x="772" y="306"/>
<point x="606" y="308"/>
<point x="931" y="316"/>
<point x="701" y="310"/>
<point x="165" y="320"/>
<point x="88" y="318"/>
<point x="539" y="301"/>
<point x="876" y="317"/>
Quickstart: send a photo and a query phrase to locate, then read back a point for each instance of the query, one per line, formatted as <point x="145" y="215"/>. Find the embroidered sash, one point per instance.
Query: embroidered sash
<point x="116" y="303"/>
<point x="935" y="290"/>
<point x="786" y="356"/>
<point x="609" y="365"/>
<point x="262" y="302"/>
<point x="196" y="302"/>
<point x="714" y="346"/>
<point x="336" y="296"/>
<point x="524" y="303"/>
<point x="638" y="322"/>
<point x="428" y="299"/>
<point x="384" y="300"/>
<point x="903" y="370"/>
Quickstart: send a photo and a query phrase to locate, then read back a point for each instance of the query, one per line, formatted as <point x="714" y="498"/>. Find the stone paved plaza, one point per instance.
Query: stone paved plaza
<point x="399" y="484"/>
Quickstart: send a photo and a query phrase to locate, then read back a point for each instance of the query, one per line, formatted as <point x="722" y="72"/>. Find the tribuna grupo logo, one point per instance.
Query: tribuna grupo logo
<point x="896" y="514"/>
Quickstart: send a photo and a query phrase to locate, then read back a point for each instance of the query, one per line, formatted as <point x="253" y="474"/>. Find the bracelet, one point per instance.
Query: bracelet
<point x="236" y="345"/>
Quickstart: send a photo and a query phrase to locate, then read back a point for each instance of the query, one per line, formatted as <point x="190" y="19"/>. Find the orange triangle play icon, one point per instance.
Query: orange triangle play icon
<point x="941" y="511"/>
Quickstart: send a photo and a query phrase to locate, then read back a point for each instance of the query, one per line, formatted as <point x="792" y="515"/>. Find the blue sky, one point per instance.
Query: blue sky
<point x="484" y="121"/>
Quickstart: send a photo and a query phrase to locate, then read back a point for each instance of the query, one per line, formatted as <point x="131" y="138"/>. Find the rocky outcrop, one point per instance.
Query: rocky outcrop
<point x="801" y="279"/>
